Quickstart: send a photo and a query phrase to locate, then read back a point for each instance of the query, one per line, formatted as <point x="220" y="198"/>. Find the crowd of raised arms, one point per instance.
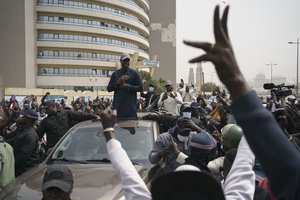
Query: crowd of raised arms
<point x="230" y="144"/>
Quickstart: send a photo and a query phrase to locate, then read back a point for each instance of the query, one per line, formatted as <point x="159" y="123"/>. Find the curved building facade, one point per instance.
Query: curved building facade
<point x="79" y="43"/>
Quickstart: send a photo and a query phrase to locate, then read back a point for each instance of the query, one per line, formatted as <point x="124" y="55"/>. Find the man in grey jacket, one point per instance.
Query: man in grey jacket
<point x="168" y="145"/>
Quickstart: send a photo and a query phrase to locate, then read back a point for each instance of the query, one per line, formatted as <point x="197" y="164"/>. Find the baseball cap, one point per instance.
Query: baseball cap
<point x="168" y="83"/>
<point x="125" y="56"/>
<point x="195" y="105"/>
<point x="185" y="184"/>
<point x="49" y="104"/>
<point x="31" y="114"/>
<point x="58" y="176"/>
<point x="182" y="128"/>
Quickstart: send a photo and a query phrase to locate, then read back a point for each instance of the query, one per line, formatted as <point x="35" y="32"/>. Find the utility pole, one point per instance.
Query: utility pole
<point x="271" y="64"/>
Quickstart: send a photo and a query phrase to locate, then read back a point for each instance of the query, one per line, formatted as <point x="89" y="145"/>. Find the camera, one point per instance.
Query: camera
<point x="279" y="90"/>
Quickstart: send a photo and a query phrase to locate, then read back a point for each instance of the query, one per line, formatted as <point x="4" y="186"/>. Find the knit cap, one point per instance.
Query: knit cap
<point x="202" y="142"/>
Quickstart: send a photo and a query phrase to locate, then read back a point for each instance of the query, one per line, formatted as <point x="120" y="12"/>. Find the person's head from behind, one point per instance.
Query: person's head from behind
<point x="57" y="183"/>
<point x="201" y="147"/>
<point x="27" y="119"/>
<point x="196" y="110"/>
<point x="280" y="115"/>
<point x="232" y="135"/>
<point x="50" y="107"/>
<point x="187" y="183"/>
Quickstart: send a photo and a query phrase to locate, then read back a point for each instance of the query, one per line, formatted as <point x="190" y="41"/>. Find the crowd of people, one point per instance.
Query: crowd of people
<point x="216" y="148"/>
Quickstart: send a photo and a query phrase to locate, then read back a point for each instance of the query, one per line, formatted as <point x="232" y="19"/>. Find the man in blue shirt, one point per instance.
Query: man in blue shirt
<point x="125" y="83"/>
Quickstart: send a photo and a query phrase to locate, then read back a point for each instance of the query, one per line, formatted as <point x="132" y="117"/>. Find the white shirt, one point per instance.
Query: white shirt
<point x="170" y="104"/>
<point x="240" y="181"/>
<point x="133" y="185"/>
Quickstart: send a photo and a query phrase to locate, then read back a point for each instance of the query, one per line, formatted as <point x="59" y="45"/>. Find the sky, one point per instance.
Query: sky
<point x="259" y="31"/>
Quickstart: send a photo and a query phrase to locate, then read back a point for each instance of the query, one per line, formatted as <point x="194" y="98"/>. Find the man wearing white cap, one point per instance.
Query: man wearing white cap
<point x="170" y="99"/>
<point x="125" y="83"/>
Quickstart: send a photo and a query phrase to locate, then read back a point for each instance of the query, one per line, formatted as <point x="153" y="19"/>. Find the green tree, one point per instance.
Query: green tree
<point x="208" y="87"/>
<point x="147" y="79"/>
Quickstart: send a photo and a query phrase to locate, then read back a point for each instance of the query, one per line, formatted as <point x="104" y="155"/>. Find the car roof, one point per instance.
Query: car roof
<point x="120" y="123"/>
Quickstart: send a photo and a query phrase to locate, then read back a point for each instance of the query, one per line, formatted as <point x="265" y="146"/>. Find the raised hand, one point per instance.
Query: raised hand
<point x="222" y="56"/>
<point x="165" y="96"/>
<point x="173" y="95"/>
<point x="108" y="118"/>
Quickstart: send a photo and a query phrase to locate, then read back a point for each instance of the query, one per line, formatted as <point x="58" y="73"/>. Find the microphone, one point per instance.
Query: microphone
<point x="268" y="86"/>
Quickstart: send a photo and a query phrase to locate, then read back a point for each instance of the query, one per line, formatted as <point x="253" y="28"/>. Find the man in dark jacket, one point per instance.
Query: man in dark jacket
<point x="151" y="97"/>
<point x="125" y="83"/>
<point x="56" y="124"/>
<point x="25" y="143"/>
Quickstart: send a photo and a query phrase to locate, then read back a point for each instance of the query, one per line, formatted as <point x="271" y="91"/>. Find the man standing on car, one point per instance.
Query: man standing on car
<point x="125" y="83"/>
<point x="56" y="124"/>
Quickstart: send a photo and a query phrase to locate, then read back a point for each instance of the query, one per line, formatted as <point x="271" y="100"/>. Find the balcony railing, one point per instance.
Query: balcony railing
<point x="92" y="7"/>
<point x="92" y="42"/>
<point x="90" y="25"/>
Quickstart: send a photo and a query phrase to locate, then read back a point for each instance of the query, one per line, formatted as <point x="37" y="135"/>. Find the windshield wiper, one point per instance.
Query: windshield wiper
<point x="105" y="160"/>
<point x="70" y="160"/>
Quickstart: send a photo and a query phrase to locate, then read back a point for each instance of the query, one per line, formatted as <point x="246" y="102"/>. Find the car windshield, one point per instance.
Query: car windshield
<point x="85" y="145"/>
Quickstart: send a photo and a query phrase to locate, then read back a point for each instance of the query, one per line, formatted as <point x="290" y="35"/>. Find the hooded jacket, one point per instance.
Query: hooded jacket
<point x="163" y="141"/>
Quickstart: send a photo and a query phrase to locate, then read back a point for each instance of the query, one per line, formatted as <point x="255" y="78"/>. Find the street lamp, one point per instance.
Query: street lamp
<point x="297" y="44"/>
<point x="271" y="64"/>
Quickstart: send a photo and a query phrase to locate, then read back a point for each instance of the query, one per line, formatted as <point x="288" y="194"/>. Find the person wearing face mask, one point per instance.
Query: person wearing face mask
<point x="170" y="145"/>
<point x="152" y="97"/>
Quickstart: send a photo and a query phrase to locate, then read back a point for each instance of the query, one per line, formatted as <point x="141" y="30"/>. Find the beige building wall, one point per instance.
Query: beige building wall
<point x="30" y="45"/>
<point x="163" y="37"/>
<point x="12" y="43"/>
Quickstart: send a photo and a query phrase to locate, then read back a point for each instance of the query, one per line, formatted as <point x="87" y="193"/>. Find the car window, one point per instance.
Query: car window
<point x="89" y="144"/>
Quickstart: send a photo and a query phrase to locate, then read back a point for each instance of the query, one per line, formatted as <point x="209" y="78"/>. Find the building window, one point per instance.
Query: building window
<point x="56" y="70"/>
<point x="56" y="53"/>
<point x="60" y="19"/>
<point x="50" y="18"/>
<point x="60" y="1"/>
